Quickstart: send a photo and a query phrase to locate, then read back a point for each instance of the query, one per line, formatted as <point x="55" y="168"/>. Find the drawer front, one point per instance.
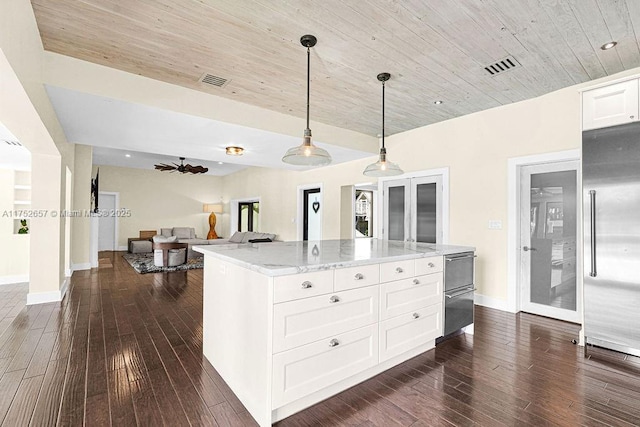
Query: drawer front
<point x="428" y="265"/>
<point x="296" y="323"/>
<point x="297" y="286"/>
<point x="403" y="296"/>
<point x="356" y="277"/>
<point x="307" y="369"/>
<point x="410" y="330"/>
<point x="390" y="271"/>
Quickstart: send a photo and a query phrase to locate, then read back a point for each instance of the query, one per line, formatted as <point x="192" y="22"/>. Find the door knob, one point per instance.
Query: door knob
<point x="527" y="248"/>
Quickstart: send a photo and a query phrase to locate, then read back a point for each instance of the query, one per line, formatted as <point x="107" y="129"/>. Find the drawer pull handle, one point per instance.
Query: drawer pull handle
<point x="416" y="315"/>
<point x="334" y="342"/>
<point x="399" y="270"/>
<point x="431" y="265"/>
<point x="416" y="281"/>
<point x="359" y="276"/>
<point x="306" y="284"/>
<point x="334" y="299"/>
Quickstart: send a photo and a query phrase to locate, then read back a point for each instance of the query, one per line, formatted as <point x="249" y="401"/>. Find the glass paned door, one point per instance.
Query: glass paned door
<point x="397" y="209"/>
<point x="426" y="202"/>
<point x="548" y="240"/>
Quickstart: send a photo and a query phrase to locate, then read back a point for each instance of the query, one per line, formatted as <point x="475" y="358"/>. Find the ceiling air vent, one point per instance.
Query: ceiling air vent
<point x="502" y="66"/>
<point x="14" y="143"/>
<point x="212" y="80"/>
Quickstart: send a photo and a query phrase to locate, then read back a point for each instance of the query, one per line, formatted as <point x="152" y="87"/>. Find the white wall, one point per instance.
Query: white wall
<point x="475" y="148"/>
<point x="14" y="250"/>
<point x="160" y="199"/>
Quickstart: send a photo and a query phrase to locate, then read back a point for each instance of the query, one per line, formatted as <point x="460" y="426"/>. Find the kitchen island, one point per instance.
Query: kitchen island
<point x="288" y="324"/>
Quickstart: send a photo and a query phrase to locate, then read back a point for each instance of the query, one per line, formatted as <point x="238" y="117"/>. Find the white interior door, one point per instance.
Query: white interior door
<point x="107" y="223"/>
<point x="548" y="240"/>
<point x="397" y="210"/>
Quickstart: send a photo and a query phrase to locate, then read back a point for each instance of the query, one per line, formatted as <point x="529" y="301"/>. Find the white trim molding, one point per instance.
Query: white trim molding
<point x="80" y="267"/>
<point x="11" y="280"/>
<point x="485" y="301"/>
<point x="513" y="208"/>
<point x="51" y="296"/>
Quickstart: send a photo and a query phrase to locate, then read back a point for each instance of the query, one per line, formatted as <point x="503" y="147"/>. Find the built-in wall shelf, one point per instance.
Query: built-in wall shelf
<point x="21" y="198"/>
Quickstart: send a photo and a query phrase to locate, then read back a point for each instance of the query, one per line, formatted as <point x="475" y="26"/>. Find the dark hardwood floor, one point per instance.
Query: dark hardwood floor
<point x="125" y="349"/>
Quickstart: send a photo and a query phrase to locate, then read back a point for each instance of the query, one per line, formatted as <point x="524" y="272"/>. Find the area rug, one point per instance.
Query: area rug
<point x="143" y="263"/>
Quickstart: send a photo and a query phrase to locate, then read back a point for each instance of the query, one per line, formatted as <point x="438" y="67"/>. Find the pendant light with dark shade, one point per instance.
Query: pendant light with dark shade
<point x="307" y="154"/>
<point x="383" y="167"/>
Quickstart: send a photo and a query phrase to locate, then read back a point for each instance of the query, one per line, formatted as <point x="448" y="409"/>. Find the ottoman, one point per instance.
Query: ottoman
<point x="140" y="246"/>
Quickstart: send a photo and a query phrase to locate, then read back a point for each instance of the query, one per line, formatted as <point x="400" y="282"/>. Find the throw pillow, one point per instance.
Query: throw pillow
<point x="164" y="239"/>
<point x="182" y="232"/>
<point x="237" y="237"/>
<point x="165" y="232"/>
<point x="264" y="240"/>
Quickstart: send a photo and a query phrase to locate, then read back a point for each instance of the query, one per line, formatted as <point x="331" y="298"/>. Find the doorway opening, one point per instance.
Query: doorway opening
<point x="310" y="207"/>
<point x="244" y="215"/>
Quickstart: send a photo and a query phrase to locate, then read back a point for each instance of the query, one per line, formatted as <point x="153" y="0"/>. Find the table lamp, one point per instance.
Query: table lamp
<point x="213" y="209"/>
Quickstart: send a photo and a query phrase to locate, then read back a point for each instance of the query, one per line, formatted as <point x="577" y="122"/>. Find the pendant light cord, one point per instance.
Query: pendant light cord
<point x="308" y="81"/>
<point x="383" y="115"/>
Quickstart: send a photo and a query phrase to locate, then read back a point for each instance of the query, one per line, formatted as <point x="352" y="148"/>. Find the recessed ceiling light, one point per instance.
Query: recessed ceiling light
<point x="220" y="163"/>
<point x="609" y="45"/>
<point x="127" y="155"/>
<point x="233" y="150"/>
<point x="438" y="102"/>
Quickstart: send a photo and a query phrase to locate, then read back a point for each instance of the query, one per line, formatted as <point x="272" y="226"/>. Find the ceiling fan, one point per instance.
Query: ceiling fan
<point x="182" y="168"/>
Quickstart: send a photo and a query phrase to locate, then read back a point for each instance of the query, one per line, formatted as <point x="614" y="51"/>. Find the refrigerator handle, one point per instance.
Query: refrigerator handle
<point x="592" y="203"/>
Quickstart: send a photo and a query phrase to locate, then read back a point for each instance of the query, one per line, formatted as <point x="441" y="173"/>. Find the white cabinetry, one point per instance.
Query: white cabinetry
<point x="610" y="105"/>
<point x="287" y="342"/>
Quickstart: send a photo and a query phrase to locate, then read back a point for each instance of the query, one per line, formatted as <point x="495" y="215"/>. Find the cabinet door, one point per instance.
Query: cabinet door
<point x="403" y="296"/>
<point x="610" y="105"/>
<point x="403" y="333"/>
<point x="296" y="323"/>
<point x="306" y="369"/>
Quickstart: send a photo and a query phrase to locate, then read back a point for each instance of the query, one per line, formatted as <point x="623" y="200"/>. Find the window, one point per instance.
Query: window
<point x="248" y="216"/>
<point x="364" y="213"/>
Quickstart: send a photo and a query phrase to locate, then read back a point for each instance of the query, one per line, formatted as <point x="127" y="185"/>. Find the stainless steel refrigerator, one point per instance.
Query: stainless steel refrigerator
<point x="611" y="196"/>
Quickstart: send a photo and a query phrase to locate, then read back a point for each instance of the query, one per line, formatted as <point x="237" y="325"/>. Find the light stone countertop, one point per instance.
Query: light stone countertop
<point x="283" y="258"/>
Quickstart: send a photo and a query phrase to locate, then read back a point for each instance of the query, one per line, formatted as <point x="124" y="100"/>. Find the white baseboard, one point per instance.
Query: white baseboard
<point x="10" y="280"/>
<point x="83" y="266"/>
<point x="45" y="297"/>
<point x="490" y="302"/>
<point x="123" y="248"/>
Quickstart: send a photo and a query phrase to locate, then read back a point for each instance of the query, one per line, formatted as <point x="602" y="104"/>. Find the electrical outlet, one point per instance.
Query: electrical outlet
<point x="495" y="224"/>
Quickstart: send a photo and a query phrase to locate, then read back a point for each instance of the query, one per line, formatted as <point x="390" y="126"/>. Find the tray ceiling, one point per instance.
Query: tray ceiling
<point x="435" y="50"/>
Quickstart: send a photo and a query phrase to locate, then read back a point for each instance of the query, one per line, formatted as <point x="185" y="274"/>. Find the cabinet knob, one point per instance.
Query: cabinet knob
<point x="334" y="298"/>
<point x="631" y="117"/>
<point x="416" y="315"/>
<point x="399" y="270"/>
<point x="416" y="281"/>
<point x="359" y="276"/>
<point x="306" y="284"/>
<point x="431" y="265"/>
<point x="334" y="342"/>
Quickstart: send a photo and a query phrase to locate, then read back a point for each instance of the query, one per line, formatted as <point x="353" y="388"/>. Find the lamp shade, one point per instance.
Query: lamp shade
<point x="215" y="208"/>
<point x="383" y="167"/>
<point x="307" y="154"/>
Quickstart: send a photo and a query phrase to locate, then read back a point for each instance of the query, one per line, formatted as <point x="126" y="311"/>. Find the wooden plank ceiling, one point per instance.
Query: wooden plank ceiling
<point x="434" y="50"/>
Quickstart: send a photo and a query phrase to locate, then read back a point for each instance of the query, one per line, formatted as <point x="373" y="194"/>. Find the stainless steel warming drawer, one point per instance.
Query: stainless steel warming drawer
<point x="459" y="291"/>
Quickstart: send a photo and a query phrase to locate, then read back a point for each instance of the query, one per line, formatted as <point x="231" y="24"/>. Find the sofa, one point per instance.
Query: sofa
<point x="188" y="235"/>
